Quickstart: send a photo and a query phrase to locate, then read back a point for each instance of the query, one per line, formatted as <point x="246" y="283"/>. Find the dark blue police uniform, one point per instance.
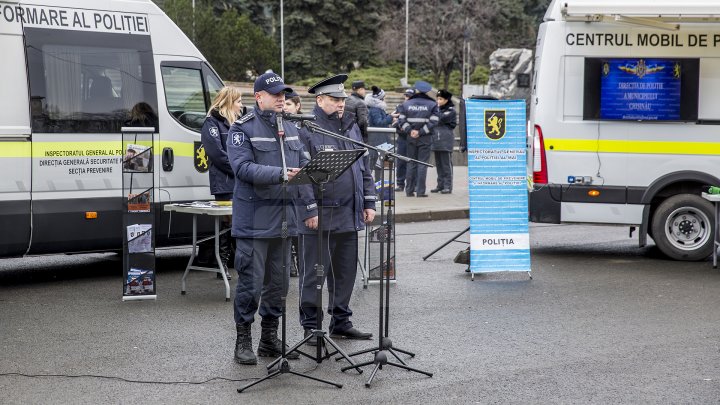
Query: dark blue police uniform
<point x="420" y="112"/>
<point x="342" y="209"/>
<point x="254" y="152"/>
<point x="214" y="139"/>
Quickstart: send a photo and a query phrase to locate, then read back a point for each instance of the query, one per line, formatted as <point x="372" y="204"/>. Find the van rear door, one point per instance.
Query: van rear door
<point x="15" y="146"/>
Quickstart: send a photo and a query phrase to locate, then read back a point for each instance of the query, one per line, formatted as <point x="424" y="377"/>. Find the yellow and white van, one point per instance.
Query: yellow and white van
<point x="625" y="119"/>
<point x="71" y="73"/>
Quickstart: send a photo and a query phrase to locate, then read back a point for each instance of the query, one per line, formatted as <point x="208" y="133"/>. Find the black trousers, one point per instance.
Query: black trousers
<point x="443" y="162"/>
<point x="261" y="281"/>
<point x="416" y="176"/>
<point x="340" y="252"/>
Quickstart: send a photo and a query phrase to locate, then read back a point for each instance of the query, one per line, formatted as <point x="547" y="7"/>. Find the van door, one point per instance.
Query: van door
<point x="15" y="145"/>
<point x="189" y="86"/>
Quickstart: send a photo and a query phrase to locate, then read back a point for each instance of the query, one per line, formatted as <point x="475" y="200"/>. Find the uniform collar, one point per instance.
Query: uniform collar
<point x="343" y="123"/>
<point x="266" y="115"/>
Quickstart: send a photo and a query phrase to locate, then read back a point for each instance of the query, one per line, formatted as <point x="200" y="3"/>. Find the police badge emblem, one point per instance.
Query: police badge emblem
<point x="200" y="158"/>
<point x="495" y="124"/>
<point x="237" y="138"/>
<point x="214" y="132"/>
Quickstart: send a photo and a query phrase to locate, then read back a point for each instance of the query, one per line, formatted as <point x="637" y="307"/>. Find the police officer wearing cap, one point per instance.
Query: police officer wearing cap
<point x="254" y="152"/>
<point x="348" y="204"/>
<point x="417" y="119"/>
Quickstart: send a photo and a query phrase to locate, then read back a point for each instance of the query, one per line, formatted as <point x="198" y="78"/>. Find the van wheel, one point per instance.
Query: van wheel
<point x="682" y="227"/>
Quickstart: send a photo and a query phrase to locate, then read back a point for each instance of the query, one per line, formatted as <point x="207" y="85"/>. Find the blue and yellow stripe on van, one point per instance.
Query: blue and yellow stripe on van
<point x="26" y="149"/>
<point x="637" y="147"/>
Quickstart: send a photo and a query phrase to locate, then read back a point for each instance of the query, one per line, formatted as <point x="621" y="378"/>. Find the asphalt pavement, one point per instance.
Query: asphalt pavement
<point x="601" y="321"/>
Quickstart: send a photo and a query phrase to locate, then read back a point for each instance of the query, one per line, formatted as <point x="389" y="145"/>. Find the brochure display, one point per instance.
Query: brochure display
<point x="499" y="236"/>
<point x="138" y="214"/>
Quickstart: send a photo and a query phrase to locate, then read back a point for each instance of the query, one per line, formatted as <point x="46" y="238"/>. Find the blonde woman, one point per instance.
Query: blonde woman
<point x="225" y="109"/>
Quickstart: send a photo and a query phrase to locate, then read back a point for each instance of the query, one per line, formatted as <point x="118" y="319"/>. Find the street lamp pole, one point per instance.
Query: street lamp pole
<point x="282" y="41"/>
<point x="193" y="20"/>
<point x="407" y="20"/>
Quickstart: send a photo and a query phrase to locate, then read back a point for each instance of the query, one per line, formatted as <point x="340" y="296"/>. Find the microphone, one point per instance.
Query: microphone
<point x="298" y="117"/>
<point x="280" y="129"/>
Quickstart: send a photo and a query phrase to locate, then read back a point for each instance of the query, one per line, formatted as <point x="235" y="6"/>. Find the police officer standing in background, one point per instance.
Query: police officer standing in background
<point x="254" y="152"/>
<point x="348" y="204"/>
<point x="417" y="119"/>
<point x="443" y="142"/>
<point x="355" y="104"/>
<point x="224" y="110"/>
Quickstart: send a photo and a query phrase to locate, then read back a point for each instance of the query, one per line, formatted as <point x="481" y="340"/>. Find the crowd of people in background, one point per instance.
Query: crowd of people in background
<point x="423" y="125"/>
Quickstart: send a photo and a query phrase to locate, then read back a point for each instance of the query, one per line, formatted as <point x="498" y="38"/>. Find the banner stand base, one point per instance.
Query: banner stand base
<point x="139" y="298"/>
<point x="473" y="273"/>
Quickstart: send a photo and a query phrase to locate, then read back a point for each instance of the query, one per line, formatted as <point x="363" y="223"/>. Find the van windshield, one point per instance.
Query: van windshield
<point x="89" y="82"/>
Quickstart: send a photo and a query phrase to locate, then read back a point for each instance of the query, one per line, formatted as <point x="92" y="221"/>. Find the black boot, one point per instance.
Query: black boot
<point x="270" y="345"/>
<point x="243" y="345"/>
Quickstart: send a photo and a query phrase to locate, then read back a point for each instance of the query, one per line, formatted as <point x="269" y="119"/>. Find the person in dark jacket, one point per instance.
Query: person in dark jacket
<point x="377" y="118"/>
<point x="401" y="165"/>
<point x="259" y="207"/>
<point x="443" y="142"/>
<point x="348" y="204"/>
<point x="225" y="109"/>
<point x="355" y="106"/>
<point x="418" y="118"/>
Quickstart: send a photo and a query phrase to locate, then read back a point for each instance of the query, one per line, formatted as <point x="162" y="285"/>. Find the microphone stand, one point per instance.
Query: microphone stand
<point x="384" y="343"/>
<point x="282" y="361"/>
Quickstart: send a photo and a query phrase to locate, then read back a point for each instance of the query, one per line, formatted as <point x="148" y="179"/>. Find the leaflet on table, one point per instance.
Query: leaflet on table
<point x="206" y="204"/>
<point x="139" y="238"/>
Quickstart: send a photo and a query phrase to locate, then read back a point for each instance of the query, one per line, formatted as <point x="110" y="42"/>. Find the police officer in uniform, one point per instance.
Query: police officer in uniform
<point x="254" y="152"/>
<point x="348" y="204"/>
<point x="417" y="119"/>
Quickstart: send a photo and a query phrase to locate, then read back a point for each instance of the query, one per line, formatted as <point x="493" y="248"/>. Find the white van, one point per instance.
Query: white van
<point x="71" y="76"/>
<point x="625" y="119"/>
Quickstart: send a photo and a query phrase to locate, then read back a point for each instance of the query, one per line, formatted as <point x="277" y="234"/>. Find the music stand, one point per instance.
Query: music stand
<point x="325" y="167"/>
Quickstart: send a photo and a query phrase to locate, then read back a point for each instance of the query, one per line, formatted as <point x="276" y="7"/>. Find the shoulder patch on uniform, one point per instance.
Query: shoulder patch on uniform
<point x="238" y="138"/>
<point x="214" y="132"/>
<point x="245" y="118"/>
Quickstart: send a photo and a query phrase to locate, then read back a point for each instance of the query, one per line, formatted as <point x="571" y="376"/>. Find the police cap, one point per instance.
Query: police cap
<point x="422" y="86"/>
<point x="270" y="82"/>
<point x="332" y="86"/>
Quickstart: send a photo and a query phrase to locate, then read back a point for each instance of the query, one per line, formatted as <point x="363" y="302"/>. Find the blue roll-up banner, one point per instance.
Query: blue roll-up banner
<point x="499" y="237"/>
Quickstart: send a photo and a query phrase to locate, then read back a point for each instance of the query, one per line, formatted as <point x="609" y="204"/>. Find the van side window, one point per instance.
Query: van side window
<point x="214" y="85"/>
<point x="84" y="82"/>
<point x="185" y="96"/>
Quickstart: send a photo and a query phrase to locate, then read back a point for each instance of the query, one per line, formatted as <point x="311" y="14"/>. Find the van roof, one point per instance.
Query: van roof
<point x="666" y="14"/>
